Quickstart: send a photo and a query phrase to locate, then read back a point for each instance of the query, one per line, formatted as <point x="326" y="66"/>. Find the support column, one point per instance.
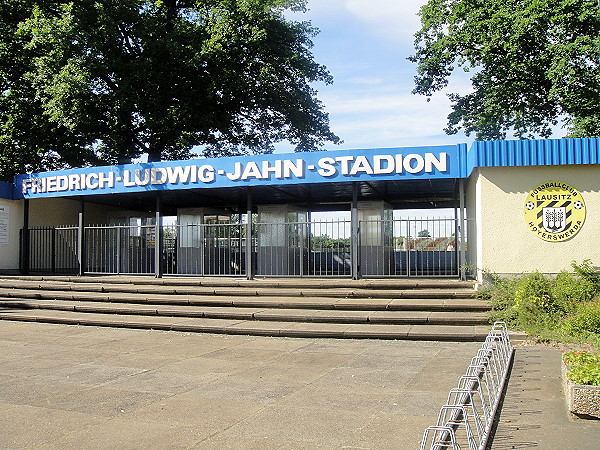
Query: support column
<point x="455" y="257"/>
<point x="158" y="269"/>
<point x="81" y="239"/>
<point x="25" y="239"/>
<point x="249" y="259"/>
<point x="355" y="230"/>
<point x="462" y="225"/>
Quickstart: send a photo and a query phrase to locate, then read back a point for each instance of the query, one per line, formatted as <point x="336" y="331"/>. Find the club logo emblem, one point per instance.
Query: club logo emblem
<point x="554" y="211"/>
<point x="554" y="219"/>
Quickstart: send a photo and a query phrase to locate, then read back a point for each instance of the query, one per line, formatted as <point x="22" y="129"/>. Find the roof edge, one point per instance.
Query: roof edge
<point x="7" y="190"/>
<point x="533" y="152"/>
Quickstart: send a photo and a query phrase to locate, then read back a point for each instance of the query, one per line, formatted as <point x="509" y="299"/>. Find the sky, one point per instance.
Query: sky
<point x="364" y="44"/>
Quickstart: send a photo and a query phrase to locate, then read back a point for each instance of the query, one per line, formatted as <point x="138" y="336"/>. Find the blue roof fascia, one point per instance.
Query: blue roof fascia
<point x="249" y="170"/>
<point x="7" y="190"/>
<point x="538" y="152"/>
<point x="462" y="162"/>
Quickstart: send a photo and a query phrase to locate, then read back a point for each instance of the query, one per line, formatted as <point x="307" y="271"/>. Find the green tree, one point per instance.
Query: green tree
<point x="27" y="139"/>
<point x="534" y="63"/>
<point x="92" y="82"/>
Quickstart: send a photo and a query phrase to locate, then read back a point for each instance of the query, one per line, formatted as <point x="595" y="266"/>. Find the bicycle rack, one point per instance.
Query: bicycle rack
<point x="467" y="417"/>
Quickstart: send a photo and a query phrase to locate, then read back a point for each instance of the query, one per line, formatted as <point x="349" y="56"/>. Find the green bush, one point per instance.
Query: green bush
<point x="533" y="294"/>
<point x="500" y="292"/>
<point x="569" y="289"/>
<point x="585" y="319"/>
<point x="560" y="308"/>
<point x="577" y="357"/>
<point x="584" y="367"/>
<point x="587" y="271"/>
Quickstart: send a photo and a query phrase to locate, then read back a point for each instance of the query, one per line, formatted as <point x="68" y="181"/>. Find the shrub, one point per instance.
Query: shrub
<point x="584" y="367"/>
<point x="500" y="292"/>
<point x="560" y="308"/>
<point x="577" y="357"/>
<point x="569" y="290"/>
<point x="587" y="271"/>
<point x="585" y="319"/>
<point x="534" y="293"/>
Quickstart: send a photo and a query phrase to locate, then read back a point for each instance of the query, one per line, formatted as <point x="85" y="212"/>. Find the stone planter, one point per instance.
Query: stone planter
<point x="582" y="400"/>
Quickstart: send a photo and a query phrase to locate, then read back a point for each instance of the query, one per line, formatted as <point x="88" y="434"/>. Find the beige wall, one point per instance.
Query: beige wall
<point x="9" y="254"/>
<point x="42" y="213"/>
<point x="53" y="212"/>
<point x="504" y="243"/>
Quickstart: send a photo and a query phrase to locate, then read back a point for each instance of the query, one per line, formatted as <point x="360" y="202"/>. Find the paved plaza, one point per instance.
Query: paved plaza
<point x="67" y="386"/>
<point x="87" y="387"/>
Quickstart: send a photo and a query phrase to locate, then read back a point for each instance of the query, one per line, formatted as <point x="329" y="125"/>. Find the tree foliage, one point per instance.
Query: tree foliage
<point x="92" y="81"/>
<point x="534" y="63"/>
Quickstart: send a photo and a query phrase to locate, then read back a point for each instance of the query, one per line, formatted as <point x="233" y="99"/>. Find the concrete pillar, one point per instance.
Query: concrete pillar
<point x="25" y="241"/>
<point x="158" y="269"/>
<point x="81" y="238"/>
<point x="249" y="259"/>
<point x="355" y="242"/>
<point x="463" y="229"/>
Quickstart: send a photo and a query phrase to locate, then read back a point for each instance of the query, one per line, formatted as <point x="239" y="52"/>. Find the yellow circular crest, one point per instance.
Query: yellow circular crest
<point x="554" y="211"/>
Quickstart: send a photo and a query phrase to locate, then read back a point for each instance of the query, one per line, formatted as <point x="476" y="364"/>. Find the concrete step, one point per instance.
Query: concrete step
<point x="262" y="314"/>
<point x="316" y="283"/>
<point x="373" y="304"/>
<point x="374" y="309"/>
<point x="254" y="327"/>
<point x="241" y="291"/>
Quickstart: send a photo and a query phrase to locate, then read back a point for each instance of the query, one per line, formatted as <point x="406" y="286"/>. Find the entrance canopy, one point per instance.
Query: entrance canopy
<point x="403" y="177"/>
<point x="407" y="177"/>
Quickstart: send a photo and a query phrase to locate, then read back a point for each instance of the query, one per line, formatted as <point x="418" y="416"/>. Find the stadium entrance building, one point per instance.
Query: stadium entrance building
<point x="508" y="207"/>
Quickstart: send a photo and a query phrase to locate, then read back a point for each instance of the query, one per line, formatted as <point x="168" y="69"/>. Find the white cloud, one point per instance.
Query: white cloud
<point x="393" y="19"/>
<point x="364" y="43"/>
<point x="388" y="115"/>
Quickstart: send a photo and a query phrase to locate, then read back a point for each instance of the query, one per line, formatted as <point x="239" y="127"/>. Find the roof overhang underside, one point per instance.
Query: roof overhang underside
<point x="335" y="196"/>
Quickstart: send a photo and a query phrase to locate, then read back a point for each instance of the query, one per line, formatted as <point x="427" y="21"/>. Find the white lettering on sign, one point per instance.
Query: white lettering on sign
<point x="383" y="164"/>
<point x="206" y="173"/>
<point x="326" y="167"/>
<point x="280" y="169"/>
<point x="179" y="174"/>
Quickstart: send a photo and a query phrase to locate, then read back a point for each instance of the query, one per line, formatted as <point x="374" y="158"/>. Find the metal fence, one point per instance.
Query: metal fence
<point x="120" y="249"/>
<point x="204" y="249"/>
<point x="316" y="248"/>
<point x="50" y="249"/>
<point x="385" y="248"/>
<point x="409" y="247"/>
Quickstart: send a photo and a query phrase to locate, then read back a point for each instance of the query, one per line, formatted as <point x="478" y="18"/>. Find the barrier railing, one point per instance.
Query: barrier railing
<point x="410" y="247"/>
<point x="52" y="249"/>
<point x="468" y="415"/>
<point x="119" y="249"/>
<point x="378" y="248"/>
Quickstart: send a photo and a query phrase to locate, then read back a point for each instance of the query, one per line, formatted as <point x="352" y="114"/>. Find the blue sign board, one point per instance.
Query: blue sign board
<point x="6" y="190"/>
<point x="274" y="169"/>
